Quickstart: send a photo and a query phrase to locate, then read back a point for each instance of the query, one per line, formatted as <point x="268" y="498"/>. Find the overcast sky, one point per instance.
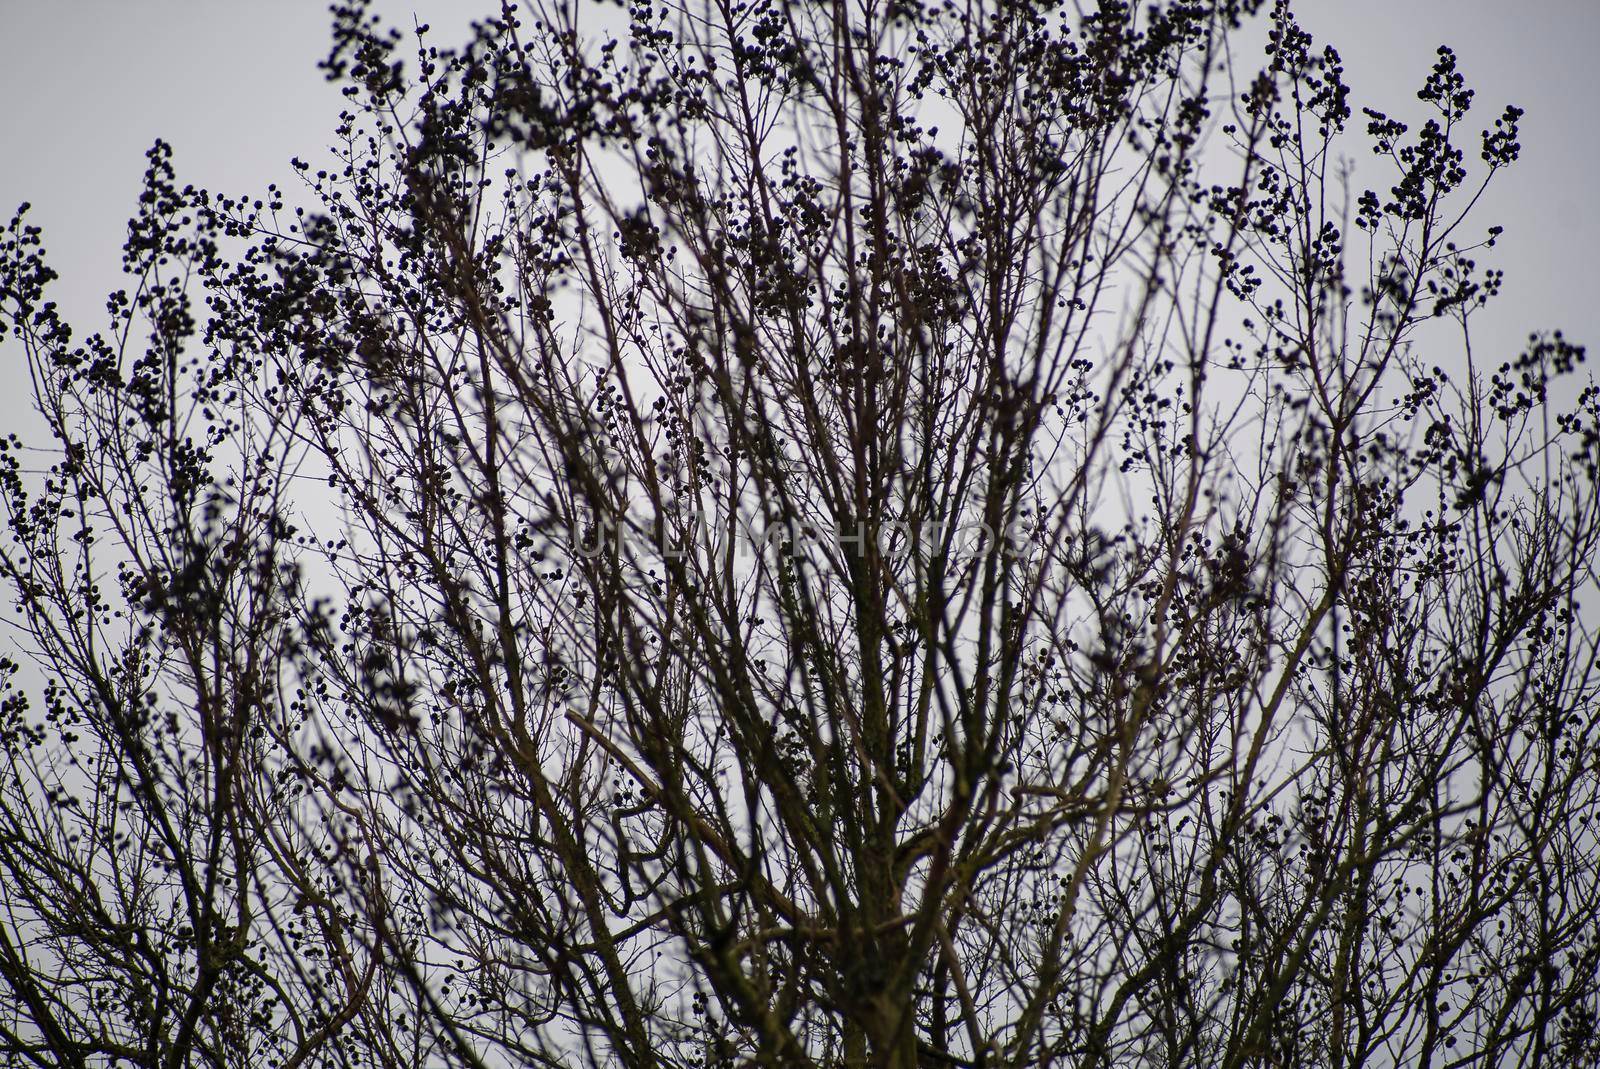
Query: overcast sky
<point x="87" y="85"/>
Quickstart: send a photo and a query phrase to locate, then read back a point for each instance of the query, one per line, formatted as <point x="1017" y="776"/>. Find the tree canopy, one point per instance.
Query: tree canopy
<point x="801" y="533"/>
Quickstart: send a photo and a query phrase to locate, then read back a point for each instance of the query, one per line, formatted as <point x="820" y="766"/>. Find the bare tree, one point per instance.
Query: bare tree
<point x="162" y="905"/>
<point x="850" y="534"/>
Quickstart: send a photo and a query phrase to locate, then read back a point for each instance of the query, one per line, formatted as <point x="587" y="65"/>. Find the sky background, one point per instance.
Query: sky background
<point x="88" y="85"/>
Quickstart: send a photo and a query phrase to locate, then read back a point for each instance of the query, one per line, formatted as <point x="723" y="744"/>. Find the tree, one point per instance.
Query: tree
<point x="812" y="534"/>
<point x="150" y="852"/>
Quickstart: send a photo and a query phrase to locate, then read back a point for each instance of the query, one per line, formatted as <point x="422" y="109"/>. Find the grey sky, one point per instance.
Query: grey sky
<point x="87" y="85"/>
